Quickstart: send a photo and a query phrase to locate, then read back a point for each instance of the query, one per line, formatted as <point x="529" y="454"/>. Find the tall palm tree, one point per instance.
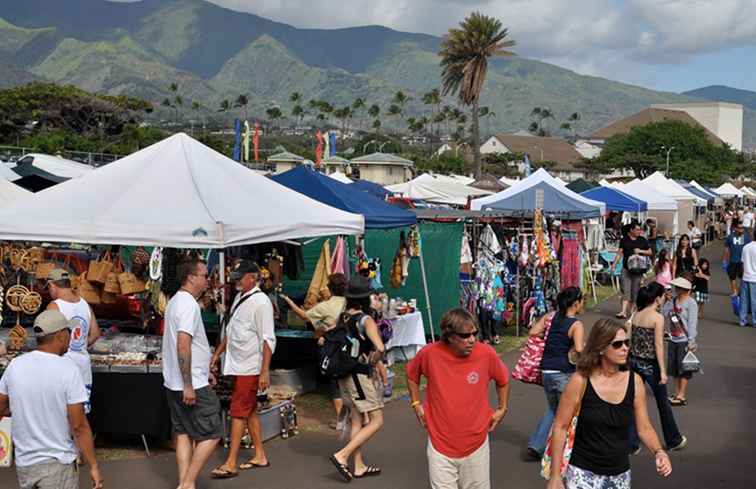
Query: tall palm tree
<point x="357" y="107"/>
<point x="464" y="61"/>
<point x="295" y="98"/>
<point x="195" y="108"/>
<point x="298" y="112"/>
<point x="375" y="113"/>
<point x="432" y="99"/>
<point x="274" y="114"/>
<point x="242" y="101"/>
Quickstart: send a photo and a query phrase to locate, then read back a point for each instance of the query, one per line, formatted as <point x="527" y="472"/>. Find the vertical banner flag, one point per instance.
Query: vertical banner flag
<point x="318" y="149"/>
<point x="256" y="140"/>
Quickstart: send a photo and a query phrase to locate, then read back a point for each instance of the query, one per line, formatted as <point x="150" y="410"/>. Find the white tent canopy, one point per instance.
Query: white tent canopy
<point x="340" y="177"/>
<point x="655" y="200"/>
<point x="176" y="193"/>
<point x="6" y="173"/>
<point x="541" y="175"/>
<point x="509" y="181"/>
<point x="729" y="190"/>
<point x="670" y="188"/>
<point x="437" y="190"/>
<point x="702" y="189"/>
<point x="55" y="165"/>
<point x="10" y="193"/>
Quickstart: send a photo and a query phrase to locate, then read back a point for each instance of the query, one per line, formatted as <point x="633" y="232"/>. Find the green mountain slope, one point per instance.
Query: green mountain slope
<point x="723" y="93"/>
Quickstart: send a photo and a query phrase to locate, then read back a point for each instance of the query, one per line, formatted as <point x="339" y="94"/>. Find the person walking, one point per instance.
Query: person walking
<point x="248" y="346"/>
<point x="647" y="359"/>
<point x="686" y="257"/>
<point x="608" y="399"/>
<point x="701" y="284"/>
<point x="361" y="390"/>
<point x="631" y="245"/>
<point x="324" y="317"/>
<point x="195" y="409"/>
<point x="663" y="269"/>
<point x="564" y="340"/>
<point x="748" y="285"/>
<point x="456" y="412"/>
<point x="695" y="235"/>
<point x="732" y="261"/>
<point x="84" y="334"/>
<point x="681" y="317"/>
<point x="46" y="394"/>
<point x="652" y="235"/>
<point x="748" y="221"/>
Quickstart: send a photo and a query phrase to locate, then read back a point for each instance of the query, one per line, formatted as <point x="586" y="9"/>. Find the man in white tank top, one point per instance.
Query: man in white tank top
<point x="68" y="302"/>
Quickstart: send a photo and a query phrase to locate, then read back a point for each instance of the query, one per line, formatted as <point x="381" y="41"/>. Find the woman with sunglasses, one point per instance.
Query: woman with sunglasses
<point x="647" y="360"/>
<point x="609" y="398"/>
<point x="564" y="336"/>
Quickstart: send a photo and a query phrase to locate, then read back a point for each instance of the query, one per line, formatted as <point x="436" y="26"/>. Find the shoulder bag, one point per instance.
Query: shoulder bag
<point x="528" y="367"/>
<point x="569" y="442"/>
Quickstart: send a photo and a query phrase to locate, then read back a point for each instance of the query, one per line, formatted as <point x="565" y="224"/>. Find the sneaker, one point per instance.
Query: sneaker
<point x="683" y="443"/>
<point x="533" y="453"/>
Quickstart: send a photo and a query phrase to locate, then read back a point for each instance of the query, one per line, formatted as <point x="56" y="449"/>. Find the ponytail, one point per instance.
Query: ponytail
<point x="567" y="298"/>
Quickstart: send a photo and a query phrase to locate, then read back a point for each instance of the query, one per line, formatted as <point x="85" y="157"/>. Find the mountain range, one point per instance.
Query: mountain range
<point x="140" y="48"/>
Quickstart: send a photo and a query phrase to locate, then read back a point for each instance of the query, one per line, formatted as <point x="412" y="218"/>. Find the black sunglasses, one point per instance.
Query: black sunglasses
<point x="464" y="336"/>
<point x="619" y="343"/>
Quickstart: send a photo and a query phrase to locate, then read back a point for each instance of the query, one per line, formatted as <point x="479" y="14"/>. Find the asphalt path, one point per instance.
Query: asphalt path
<point x="718" y="421"/>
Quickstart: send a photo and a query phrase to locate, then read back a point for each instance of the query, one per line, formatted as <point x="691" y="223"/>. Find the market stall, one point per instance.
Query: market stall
<point x="661" y="208"/>
<point x="437" y="190"/>
<point x="178" y="194"/>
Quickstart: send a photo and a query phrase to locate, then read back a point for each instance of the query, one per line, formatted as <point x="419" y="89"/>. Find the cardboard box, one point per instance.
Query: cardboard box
<point x="6" y="445"/>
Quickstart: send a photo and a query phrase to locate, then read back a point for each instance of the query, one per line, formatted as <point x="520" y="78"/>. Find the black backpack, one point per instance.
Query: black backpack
<point x="339" y="356"/>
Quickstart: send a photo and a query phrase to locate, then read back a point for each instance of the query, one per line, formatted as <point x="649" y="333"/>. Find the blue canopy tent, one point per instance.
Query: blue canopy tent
<point x="697" y="191"/>
<point x="555" y="203"/>
<point x="372" y="188"/>
<point x="378" y="214"/>
<point x="616" y="200"/>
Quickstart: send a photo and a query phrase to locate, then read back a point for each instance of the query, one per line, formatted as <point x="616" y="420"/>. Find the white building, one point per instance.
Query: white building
<point x="556" y="150"/>
<point x="722" y="118"/>
<point x="383" y="169"/>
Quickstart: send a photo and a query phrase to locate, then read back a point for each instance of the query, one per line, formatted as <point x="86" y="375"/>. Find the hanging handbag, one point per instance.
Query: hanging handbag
<point x="112" y="286"/>
<point x="88" y="291"/>
<point x="569" y="442"/>
<point x="130" y="284"/>
<point x="691" y="363"/>
<point x="528" y="367"/>
<point x="638" y="264"/>
<point x="99" y="269"/>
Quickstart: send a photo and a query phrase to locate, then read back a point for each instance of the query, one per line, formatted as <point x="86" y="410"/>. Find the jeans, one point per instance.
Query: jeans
<point x="553" y="385"/>
<point x="747" y="301"/>
<point x="651" y="375"/>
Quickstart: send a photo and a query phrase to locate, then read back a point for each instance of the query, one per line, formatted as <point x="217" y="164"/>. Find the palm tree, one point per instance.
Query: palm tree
<point x="487" y="114"/>
<point x="343" y="114"/>
<point x="225" y="106"/>
<point x="295" y="98"/>
<point x="398" y="102"/>
<point x="375" y="113"/>
<point x="433" y="99"/>
<point x="538" y="127"/>
<point x="464" y="61"/>
<point x="377" y="126"/>
<point x="358" y="106"/>
<point x="298" y="112"/>
<point x="242" y="101"/>
<point x="274" y="113"/>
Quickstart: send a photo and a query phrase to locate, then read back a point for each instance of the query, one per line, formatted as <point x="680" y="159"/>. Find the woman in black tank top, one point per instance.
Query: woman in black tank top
<point x="609" y="398"/>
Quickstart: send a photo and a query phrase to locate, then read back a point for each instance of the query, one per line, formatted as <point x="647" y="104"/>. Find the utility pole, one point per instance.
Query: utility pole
<point x="668" y="153"/>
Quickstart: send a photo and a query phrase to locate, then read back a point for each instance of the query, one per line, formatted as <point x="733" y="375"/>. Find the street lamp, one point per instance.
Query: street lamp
<point x="668" y="152"/>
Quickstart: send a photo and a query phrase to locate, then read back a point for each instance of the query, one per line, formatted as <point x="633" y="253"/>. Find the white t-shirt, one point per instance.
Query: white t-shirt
<point x="41" y="386"/>
<point x="749" y="262"/>
<point x="748" y="219"/>
<point x="78" y="346"/>
<point x="183" y="314"/>
<point x="249" y="328"/>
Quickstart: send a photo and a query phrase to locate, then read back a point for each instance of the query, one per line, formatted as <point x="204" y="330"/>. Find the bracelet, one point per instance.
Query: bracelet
<point x="656" y="452"/>
<point x="415" y="404"/>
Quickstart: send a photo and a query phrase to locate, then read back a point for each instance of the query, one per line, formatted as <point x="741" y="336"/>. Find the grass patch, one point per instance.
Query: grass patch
<point x="603" y="292"/>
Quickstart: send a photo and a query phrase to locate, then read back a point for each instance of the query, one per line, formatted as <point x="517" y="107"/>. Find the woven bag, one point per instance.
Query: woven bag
<point x="88" y="291"/>
<point x="109" y="297"/>
<point x="130" y="284"/>
<point x="112" y="285"/>
<point x="43" y="269"/>
<point x="99" y="269"/>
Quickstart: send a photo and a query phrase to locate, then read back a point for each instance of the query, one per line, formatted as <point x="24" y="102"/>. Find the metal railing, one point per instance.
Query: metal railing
<point x="14" y="153"/>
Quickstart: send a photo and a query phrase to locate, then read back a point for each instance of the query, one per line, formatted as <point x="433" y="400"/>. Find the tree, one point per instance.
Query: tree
<point x="298" y="112"/>
<point x="225" y="106"/>
<point x="242" y="101"/>
<point x="295" y="98"/>
<point x="695" y="155"/>
<point x="538" y="126"/>
<point x="358" y="106"/>
<point x="343" y="114"/>
<point x="464" y="59"/>
<point x="377" y="126"/>
<point x="274" y="114"/>
<point x="433" y="99"/>
<point x="196" y="106"/>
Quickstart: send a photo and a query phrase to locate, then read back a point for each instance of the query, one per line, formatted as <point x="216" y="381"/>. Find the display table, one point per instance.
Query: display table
<point x="408" y="339"/>
<point x="130" y="404"/>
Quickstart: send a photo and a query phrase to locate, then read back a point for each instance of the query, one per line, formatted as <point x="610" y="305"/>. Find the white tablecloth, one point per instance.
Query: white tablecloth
<point x="409" y="337"/>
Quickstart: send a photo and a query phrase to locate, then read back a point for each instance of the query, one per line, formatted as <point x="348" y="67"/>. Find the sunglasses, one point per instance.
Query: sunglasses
<point x="620" y="343"/>
<point x="465" y="336"/>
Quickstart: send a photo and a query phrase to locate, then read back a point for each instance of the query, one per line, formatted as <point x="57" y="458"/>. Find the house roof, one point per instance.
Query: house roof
<point x="285" y="157"/>
<point x="647" y="116"/>
<point x="335" y="160"/>
<point x="383" y="158"/>
<point x="557" y="150"/>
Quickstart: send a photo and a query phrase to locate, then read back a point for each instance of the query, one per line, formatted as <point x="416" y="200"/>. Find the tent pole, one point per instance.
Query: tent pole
<point x="427" y="296"/>
<point x="222" y="278"/>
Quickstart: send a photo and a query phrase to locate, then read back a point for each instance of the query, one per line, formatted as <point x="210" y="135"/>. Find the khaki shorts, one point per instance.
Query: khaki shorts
<point x="48" y="475"/>
<point x="363" y="392"/>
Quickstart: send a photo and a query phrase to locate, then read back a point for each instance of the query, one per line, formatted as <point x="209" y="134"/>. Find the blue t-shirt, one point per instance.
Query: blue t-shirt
<point x="736" y="243"/>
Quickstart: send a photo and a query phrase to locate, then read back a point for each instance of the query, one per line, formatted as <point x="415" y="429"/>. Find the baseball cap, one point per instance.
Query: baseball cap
<point x="51" y="321"/>
<point x="58" y="274"/>
<point x="358" y="287"/>
<point x="242" y="268"/>
<point x="681" y="283"/>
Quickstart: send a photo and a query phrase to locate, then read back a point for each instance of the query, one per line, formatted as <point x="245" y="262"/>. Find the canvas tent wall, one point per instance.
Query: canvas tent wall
<point x="437" y="190"/>
<point x="10" y="193"/>
<point x="660" y="207"/>
<point x="729" y="191"/>
<point x="616" y="200"/>
<point x="520" y="199"/>
<point x="686" y="202"/>
<point x="177" y="193"/>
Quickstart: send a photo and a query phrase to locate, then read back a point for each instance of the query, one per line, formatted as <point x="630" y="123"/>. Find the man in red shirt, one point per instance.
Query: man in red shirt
<point x="456" y="412"/>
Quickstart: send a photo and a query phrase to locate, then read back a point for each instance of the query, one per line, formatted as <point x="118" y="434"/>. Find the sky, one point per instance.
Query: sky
<point x="673" y="45"/>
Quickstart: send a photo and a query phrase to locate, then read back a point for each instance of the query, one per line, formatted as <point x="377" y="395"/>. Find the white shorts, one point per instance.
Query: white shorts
<point x="471" y="472"/>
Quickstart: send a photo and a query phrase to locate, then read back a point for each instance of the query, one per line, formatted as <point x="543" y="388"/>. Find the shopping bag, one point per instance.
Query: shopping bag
<point x="735" y="300"/>
<point x="99" y="269"/>
<point x="569" y="442"/>
<point x="528" y="367"/>
<point x="112" y="286"/>
<point x="130" y="284"/>
<point x="691" y="363"/>
<point x="89" y="291"/>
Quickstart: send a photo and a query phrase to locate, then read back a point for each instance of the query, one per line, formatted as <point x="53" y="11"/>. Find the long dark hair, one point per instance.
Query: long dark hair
<point x="680" y="248"/>
<point x="648" y="294"/>
<point x="602" y="334"/>
<point x="661" y="260"/>
<point x="567" y="298"/>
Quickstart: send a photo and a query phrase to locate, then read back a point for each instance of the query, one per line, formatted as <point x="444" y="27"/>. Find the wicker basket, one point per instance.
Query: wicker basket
<point x="43" y="269"/>
<point x="88" y="291"/>
<point x="130" y="284"/>
<point x="99" y="269"/>
<point x="112" y="286"/>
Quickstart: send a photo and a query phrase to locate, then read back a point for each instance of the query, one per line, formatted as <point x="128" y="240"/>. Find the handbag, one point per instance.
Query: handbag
<point x="130" y="284"/>
<point x="88" y="291"/>
<point x="691" y="363"/>
<point x="569" y="442"/>
<point x="112" y="286"/>
<point x="528" y="367"/>
<point x="99" y="269"/>
<point x="638" y="264"/>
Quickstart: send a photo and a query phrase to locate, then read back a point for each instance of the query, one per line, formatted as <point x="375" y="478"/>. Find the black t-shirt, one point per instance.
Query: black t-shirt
<point x="629" y="245"/>
<point x="701" y="285"/>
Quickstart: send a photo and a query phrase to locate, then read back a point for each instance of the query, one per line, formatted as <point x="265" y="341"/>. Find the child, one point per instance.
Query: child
<point x="663" y="269"/>
<point x="701" y="285"/>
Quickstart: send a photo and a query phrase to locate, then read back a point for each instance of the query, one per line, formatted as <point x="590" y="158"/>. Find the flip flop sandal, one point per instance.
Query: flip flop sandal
<point x="252" y="465"/>
<point x="342" y="469"/>
<point x="370" y="471"/>
<point x="221" y="473"/>
<point x="678" y="402"/>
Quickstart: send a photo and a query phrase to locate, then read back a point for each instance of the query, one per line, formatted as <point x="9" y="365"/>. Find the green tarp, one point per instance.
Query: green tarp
<point x="441" y="248"/>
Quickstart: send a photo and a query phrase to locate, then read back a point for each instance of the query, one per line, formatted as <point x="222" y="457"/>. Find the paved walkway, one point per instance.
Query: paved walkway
<point x="718" y="422"/>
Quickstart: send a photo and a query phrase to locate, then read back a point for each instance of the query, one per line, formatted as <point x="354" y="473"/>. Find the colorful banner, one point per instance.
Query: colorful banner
<point x="332" y="145"/>
<point x="245" y="142"/>
<point x="318" y="149"/>
<point x="237" y="140"/>
<point x="256" y="141"/>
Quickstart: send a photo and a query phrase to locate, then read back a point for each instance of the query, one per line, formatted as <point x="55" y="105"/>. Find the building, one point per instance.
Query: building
<point x="556" y="150"/>
<point x="335" y="164"/>
<point x="723" y="119"/>
<point x="648" y="116"/>
<point x="285" y="161"/>
<point x="384" y="169"/>
<point x="587" y="150"/>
